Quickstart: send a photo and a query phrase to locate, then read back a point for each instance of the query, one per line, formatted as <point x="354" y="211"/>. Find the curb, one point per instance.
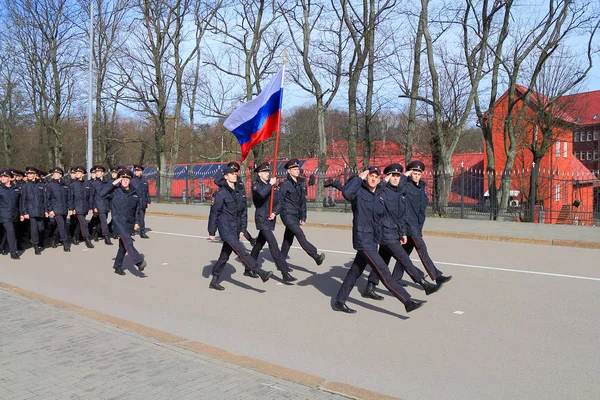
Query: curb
<point x="453" y="235"/>
<point x="265" y="367"/>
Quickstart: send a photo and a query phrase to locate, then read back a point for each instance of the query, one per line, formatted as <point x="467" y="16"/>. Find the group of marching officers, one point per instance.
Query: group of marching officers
<point x="35" y="204"/>
<point x="388" y="218"/>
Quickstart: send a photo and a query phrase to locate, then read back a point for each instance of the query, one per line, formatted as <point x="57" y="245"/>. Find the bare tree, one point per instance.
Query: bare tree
<point x="12" y="100"/>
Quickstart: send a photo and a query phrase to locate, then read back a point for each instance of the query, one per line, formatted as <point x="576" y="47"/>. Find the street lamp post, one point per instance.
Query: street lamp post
<point x="90" y="146"/>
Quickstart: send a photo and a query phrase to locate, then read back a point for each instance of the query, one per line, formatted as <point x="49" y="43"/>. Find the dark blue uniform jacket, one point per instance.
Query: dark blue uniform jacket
<point x="141" y="186"/>
<point x="100" y="203"/>
<point x="57" y="195"/>
<point x="125" y="207"/>
<point x="261" y="197"/>
<point x="416" y="204"/>
<point x="81" y="196"/>
<point x="368" y="212"/>
<point x="393" y="225"/>
<point x="293" y="201"/>
<point x="33" y="199"/>
<point x="10" y="198"/>
<point x="228" y="213"/>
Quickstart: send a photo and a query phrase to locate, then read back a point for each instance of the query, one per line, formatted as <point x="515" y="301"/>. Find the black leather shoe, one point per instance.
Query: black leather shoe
<point x="53" y="243"/>
<point x="141" y="265"/>
<point x="37" y="249"/>
<point x="95" y="236"/>
<point x="370" y="292"/>
<point x="412" y="305"/>
<point x="252" y="242"/>
<point x="429" y="287"/>
<point x="119" y="271"/>
<point x="337" y="306"/>
<point x="214" y="284"/>
<point x="264" y="275"/>
<point x="144" y="236"/>
<point x="67" y="247"/>
<point x="88" y="243"/>
<point x="443" y="279"/>
<point x="320" y="258"/>
<point x="4" y="252"/>
<point x="15" y="256"/>
<point x="250" y="273"/>
<point x="107" y="241"/>
<point x="287" y="278"/>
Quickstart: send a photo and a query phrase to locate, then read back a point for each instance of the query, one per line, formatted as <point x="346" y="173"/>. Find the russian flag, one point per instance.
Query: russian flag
<point x="257" y="120"/>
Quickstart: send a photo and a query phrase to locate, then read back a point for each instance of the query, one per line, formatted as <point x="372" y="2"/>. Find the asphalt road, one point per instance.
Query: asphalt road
<point x="517" y="321"/>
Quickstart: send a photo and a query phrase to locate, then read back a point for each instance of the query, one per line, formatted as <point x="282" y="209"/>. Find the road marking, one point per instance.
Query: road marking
<point x="459" y="312"/>
<point x="352" y="253"/>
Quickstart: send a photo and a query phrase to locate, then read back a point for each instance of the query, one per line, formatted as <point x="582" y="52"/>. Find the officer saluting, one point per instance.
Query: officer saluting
<point x="368" y="211"/>
<point x="125" y="208"/>
<point x="229" y="214"/>
<point x="293" y="212"/>
<point x="57" y="194"/>
<point x="141" y="185"/>
<point x="265" y="221"/>
<point x="10" y="196"/>
<point x="416" y="204"/>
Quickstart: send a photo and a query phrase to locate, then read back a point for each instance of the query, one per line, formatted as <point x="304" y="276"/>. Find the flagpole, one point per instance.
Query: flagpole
<point x="276" y="147"/>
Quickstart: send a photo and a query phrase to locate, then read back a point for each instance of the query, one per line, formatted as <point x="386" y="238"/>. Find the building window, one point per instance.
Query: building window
<point x="557" y="149"/>
<point x="595" y="135"/>
<point x="589" y="136"/>
<point x="582" y="137"/>
<point x="589" y="155"/>
<point x="565" y="148"/>
<point x="582" y="156"/>
<point x="595" y="154"/>
<point x="558" y="192"/>
<point x="576" y="154"/>
<point x="576" y="136"/>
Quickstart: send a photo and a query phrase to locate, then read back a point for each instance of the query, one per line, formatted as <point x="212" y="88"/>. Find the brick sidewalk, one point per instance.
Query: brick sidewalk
<point x="49" y="353"/>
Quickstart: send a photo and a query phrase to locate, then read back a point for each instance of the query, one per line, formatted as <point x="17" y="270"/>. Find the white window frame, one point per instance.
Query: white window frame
<point x="595" y="154"/>
<point x="557" y="197"/>
<point x="565" y="149"/>
<point x="589" y="136"/>
<point x="557" y="149"/>
<point x="595" y="135"/>
<point x="582" y="137"/>
<point x="589" y="155"/>
<point x="576" y="136"/>
<point x="582" y="156"/>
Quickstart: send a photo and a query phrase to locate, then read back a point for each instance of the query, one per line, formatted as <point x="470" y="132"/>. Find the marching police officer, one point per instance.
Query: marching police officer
<point x="10" y="197"/>
<point x="113" y="173"/>
<point x="229" y="214"/>
<point x="33" y="207"/>
<point x="293" y="212"/>
<point x="394" y="235"/>
<point x="101" y="206"/>
<point x="416" y="204"/>
<point x="57" y="195"/>
<point x="368" y="212"/>
<point x="265" y="220"/>
<point x="125" y="207"/>
<point x="81" y="200"/>
<point x="141" y="185"/>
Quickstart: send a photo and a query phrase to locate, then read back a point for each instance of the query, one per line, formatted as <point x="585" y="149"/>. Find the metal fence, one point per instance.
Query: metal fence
<point x="559" y="198"/>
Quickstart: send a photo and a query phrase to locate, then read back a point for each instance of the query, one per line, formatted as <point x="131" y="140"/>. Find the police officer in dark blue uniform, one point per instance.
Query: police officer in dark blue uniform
<point x="141" y="185"/>
<point x="229" y="214"/>
<point x="10" y="198"/>
<point x="292" y="194"/>
<point x="101" y="206"/>
<point x="220" y="181"/>
<point x="368" y="212"/>
<point x="265" y="220"/>
<point x="416" y="204"/>
<point x="81" y="201"/>
<point x="33" y="207"/>
<point x="394" y="234"/>
<point x="57" y="195"/>
<point x="125" y="207"/>
<point x="113" y="173"/>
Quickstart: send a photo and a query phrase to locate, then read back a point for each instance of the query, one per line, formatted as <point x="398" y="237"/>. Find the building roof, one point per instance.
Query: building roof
<point x="583" y="107"/>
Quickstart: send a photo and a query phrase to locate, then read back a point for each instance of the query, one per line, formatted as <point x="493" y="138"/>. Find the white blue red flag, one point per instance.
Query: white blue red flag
<point x="257" y="120"/>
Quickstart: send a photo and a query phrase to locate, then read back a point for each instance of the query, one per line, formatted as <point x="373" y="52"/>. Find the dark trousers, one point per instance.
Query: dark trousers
<point x="102" y="225"/>
<point x="60" y="227"/>
<point x="403" y="263"/>
<point x="83" y="225"/>
<point x="295" y="231"/>
<point x="126" y="247"/>
<point x="372" y="258"/>
<point x="142" y="221"/>
<point x="235" y="245"/>
<point x="267" y="236"/>
<point x="247" y="235"/>
<point x="417" y="243"/>
<point x="73" y="226"/>
<point x="9" y="237"/>
<point x="36" y="229"/>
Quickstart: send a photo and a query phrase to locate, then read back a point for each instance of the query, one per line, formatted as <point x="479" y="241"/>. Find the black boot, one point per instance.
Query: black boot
<point x="107" y="241"/>
<point x="67" y="246"/>
<point x="214" y="284"/>
<point x="412" y="305"/>
<point x="37" y="249"/>
<point x="141" y="265"/>
<point x="88" y="243"/>
<point x="370" y="292"/>
<point x="250" y="273"/>
<point x="75" y="240"/>
<point x="319" y="259"/>
<point x="4" y="252"/>
<point x="119" y="270"/>
<point x="143" y="235"/>
<point x="53" y="243"/>
<point x="15" y="256"/>
<point x="95" y="236"/>
<point x="264" y="275"/>
<point x="337" y="306"/>
<point x="442" y="279"/>
<point x="287" y="278"/>
<point x="429" y="287"/>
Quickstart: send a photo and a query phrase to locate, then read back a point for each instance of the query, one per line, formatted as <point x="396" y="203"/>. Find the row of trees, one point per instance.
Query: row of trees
<point x="168" y="71"/>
